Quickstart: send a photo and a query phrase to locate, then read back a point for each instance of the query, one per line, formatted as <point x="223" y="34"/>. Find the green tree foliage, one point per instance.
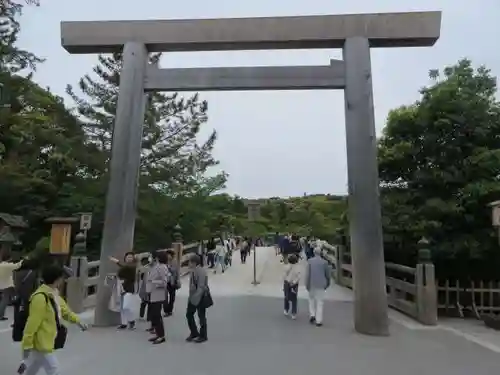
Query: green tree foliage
<point x="173" y="181"/>
<point x="439" y="162"/>
<point x="315" y="215"/>
<point x="170" y="152"/>
<point x="55" y="163"/>
<point x="12" y="58"/>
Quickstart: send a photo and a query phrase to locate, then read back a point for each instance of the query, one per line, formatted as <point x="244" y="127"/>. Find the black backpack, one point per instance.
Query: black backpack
<point x="21" y="317"/>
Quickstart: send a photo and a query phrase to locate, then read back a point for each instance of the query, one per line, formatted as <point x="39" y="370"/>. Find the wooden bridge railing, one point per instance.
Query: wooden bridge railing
<point x="82" y="287"/>
<point x="413" y="291"/>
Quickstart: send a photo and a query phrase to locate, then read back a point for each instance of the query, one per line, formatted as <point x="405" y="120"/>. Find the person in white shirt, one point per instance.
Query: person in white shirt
<point x="220" y="251"/>
<point x="291" y="280"/>
<point x="7" y="269"/>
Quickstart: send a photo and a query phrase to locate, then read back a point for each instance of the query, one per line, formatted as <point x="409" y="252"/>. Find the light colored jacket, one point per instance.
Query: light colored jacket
<point x="292" y="274"/>
<point x="221" y="249"/>
<point x="157" y="280"/>
<point x="198" y="284"/>
<point x="6" y="274"/>
<point x="318" y="274"/>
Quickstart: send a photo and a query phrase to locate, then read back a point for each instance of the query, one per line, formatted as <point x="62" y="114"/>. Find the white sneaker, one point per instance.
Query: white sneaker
<point x="294" y="317"/>
<point x="286" y="313"/>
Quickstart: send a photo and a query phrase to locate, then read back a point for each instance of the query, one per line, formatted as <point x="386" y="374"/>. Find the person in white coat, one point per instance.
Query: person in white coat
<point x="220" y="251"/>
<point x="7" y="269"/>
<point x="317" y="280"/>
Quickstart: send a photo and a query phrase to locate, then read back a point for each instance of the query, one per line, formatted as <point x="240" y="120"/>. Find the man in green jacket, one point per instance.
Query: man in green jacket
<point x="41" y="327"/>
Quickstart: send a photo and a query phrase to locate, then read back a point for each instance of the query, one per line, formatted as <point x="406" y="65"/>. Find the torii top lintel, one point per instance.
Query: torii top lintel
<point x="411" y="29"/>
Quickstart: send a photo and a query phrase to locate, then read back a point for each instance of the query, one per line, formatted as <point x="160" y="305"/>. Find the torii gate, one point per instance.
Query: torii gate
<point x="355" y="34"/>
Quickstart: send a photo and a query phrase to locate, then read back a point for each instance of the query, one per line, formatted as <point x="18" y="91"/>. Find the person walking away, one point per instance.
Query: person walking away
<point x="211" y="253"/>
<point x="287" y="249"/>
<point x="244" y="251"/>
<point x="156" y="286"/>
<point x="317" y="280"/>
<point x="220" y="251"/>
<point x="295" y="245"/>
<point x="291" y="281"/>
<point x="127" y="271"/>
<point x="174" y="283"/>
<point x="43" y="332"/>
<point x="277" y="243"/>
<point x="308" y="248"/>
<point x="198" y="302"/>
<point x="229" y="253"/>
<point x="7" y="268"/>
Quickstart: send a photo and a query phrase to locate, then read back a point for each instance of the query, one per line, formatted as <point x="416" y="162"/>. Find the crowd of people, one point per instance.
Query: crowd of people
<point x="33" y="288"/>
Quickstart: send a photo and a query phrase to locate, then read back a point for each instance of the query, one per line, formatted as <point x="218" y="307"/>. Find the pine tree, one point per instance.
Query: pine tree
<point x="171" y="157"/>
<point x="13" y="59"/>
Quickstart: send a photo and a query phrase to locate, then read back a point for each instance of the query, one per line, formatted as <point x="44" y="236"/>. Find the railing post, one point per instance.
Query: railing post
<point x="76" y="291"/>
<point x="426" y="286"/>
<point x="339" y="254"/>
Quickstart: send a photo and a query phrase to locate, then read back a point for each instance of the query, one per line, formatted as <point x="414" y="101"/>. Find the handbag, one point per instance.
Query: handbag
<point x="207" y="300"/>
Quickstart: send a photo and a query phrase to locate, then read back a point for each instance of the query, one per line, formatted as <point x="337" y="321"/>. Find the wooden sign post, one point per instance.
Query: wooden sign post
<point x="60" y="234"/>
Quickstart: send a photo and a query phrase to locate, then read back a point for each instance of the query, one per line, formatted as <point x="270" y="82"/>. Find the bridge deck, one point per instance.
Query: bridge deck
<point x="248" y="334"/>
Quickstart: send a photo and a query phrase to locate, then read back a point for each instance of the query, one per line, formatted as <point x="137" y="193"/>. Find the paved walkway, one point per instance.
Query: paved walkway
<point x="248" y="334"/>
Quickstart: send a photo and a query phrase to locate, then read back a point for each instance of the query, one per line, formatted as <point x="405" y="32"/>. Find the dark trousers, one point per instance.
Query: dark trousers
<point x="243" y="256"/>
<point x="211" y="260"/>
<point x="144" y="309"/>
<point x="154" y="309"/>
<point x="290" y="292"/>
<point x="202" y="317"/>
<point x="168" y="305"/>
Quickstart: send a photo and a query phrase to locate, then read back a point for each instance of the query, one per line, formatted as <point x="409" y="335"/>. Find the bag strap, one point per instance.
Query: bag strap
<point x="52" y="302"/>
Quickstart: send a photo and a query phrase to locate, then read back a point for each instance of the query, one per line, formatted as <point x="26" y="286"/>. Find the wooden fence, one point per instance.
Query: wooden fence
<point x="82" y="287"/>
<point x="468" y="298"/>
<point x="409" y="290"/>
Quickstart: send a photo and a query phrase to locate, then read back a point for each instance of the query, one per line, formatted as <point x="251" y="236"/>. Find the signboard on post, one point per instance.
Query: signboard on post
<point x="85" y="221"/>
<point x="60" y="238"/>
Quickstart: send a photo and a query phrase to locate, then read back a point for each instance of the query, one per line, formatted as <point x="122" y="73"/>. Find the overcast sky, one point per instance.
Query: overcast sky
<point x="278" y="143"/>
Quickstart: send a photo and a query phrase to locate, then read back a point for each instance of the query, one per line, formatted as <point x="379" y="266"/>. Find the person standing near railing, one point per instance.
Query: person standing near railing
<point x="174" y="283"/>
<point x="127" y="273"/>
<point x="7" y="268"/>
<point x="156" y="286"/>
<point x="144" y="295"/>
